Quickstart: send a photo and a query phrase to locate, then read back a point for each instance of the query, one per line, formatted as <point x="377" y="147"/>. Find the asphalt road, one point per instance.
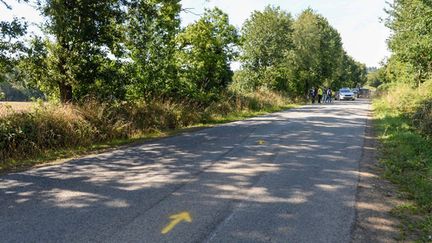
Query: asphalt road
<point x="286" y="177"/>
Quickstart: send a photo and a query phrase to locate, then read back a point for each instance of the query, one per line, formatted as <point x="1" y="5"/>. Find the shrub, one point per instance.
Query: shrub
<point x="28" y="134"/>
<point x="404" y="116"/>
<point x="422" y="118"/>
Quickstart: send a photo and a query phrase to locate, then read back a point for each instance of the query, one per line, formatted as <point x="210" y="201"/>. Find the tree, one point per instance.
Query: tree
<point x="411" y="40"/>
<point x="293" y="56"/>
<point x="376" y="77"/>
<point x="317" y="57"/>
<point x="84" y="34"/>
<point x="10" y="44"/>
<point x="266" y="38"/>
<point x="206" y="49"/>
<point x="151" y="31"/>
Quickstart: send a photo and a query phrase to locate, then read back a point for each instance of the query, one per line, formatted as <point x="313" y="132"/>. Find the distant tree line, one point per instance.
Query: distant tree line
<point x="292" y="55"/>
<point x="137" y="49"/>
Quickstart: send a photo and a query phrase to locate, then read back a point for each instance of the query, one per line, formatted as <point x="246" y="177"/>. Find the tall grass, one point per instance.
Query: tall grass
<point x="27" y="135"/>
<point x="403" y="118"/>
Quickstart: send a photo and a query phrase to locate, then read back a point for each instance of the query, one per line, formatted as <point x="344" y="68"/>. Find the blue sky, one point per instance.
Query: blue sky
<point x="363" y="35"/>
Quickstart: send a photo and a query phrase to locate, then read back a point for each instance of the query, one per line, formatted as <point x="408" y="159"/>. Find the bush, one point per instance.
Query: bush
<point x="25" y="135"/>
<point x="404" y="98"/>
<point x="403" y="118"/>
<point x="28" y="133"/>
<point x="422" y="118"/>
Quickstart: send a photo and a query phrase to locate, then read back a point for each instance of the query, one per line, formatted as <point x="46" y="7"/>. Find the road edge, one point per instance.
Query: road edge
<point x="375" y="196"/>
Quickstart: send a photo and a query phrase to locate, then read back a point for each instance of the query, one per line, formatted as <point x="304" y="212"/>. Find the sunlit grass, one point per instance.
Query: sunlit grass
<point x="406" y="155"/>
<point x="9" y="107"/>
<point x="52" y="132"/>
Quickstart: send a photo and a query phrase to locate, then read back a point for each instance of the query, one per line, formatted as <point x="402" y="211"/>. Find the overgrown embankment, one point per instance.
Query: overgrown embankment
<point x="404" y="121"/>
<point x="51" y="130"/>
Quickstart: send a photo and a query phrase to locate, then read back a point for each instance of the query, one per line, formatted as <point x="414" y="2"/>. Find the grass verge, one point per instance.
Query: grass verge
<point x="406" y="154"/>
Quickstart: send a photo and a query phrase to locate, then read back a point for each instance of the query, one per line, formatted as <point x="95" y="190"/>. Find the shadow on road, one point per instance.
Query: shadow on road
<point x="303" y="175"/>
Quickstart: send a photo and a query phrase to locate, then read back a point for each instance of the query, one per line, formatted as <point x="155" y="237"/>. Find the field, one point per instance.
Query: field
<point x="8" y="107"/>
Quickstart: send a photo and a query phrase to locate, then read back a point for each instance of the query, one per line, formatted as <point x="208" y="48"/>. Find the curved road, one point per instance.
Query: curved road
<point x="286" y="177"/>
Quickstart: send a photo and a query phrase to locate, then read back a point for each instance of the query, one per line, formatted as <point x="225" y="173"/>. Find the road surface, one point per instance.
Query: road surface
<point x="286" y="177"/>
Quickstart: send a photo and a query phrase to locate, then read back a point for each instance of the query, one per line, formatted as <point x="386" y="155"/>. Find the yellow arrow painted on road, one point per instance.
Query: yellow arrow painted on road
<point x="176" y="219"/>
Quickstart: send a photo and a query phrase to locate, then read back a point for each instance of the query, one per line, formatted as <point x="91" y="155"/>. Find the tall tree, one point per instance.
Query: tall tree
<point x="151" y="31"/>
<point x="206" y="49"/>
<point x="411" y="39"/>
<point x="84" y="33"/>
<point x="307" y="46"/>
<point x="318" y="57"/>
<point x="266" y="38"/>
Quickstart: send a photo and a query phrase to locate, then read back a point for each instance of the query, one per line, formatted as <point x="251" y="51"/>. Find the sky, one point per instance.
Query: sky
<point x="358" y="21"/>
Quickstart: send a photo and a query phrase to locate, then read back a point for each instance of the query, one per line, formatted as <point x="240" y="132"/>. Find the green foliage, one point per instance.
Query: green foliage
<point x="84" y="33"/>
<point x="405" y="152"/>
<point x="376" y="77"/>
<point x="318" y="58"/>
<point x="422" y="119"/>
<point x="206" y="49"/>
<point x="244" y="81"/>
<point x="411" y="42"/>
<point x="266" y="38"/>
<point x="396" y="71"/>
<point x="133" y="50"/>
<point x="10" y="45"/>
<point x="151" y="30"/>
<point x="306" y="57"/>
<point x="297" y="55"/>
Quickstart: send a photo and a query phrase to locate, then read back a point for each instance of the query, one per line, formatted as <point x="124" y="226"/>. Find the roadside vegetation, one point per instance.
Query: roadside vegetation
<point x="403" y="114"/>
<point x="109" y="72"/>
<point x="50" y="131"/>
<point x="403" y="120"/>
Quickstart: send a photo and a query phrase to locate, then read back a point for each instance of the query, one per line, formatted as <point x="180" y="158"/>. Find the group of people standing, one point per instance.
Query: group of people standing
<point x="321" y="95"/>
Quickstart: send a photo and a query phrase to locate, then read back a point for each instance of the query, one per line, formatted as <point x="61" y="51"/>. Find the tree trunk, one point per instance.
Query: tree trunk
<point x="64" y="88"/>
<point x="65" y="93"/>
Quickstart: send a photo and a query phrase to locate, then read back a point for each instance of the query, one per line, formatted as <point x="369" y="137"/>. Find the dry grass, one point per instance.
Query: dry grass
<point x="10" y="107"/>
<point x="27" y="133"/>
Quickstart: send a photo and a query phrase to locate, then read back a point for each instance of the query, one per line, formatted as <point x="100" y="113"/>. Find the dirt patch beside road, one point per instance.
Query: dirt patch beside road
<point x="376" y="197"/>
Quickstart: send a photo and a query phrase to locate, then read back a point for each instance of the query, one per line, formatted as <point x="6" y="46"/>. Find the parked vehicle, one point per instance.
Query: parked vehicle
<point x="346" y="94"/>
<point x="356" y="92"/>
<point x="364" y="93"/>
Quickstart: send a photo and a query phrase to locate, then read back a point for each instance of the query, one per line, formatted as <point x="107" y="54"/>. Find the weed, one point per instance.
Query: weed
<point x="403" y="124"/>
<point x="53" y="130"/>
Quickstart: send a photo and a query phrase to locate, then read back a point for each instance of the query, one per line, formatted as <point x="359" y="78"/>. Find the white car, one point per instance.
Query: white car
<point x="346" y="94"/>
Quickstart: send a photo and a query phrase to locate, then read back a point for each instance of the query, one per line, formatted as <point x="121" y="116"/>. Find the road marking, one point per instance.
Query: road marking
<point x="261" y="142"/>
<point x="176" y="219"/>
